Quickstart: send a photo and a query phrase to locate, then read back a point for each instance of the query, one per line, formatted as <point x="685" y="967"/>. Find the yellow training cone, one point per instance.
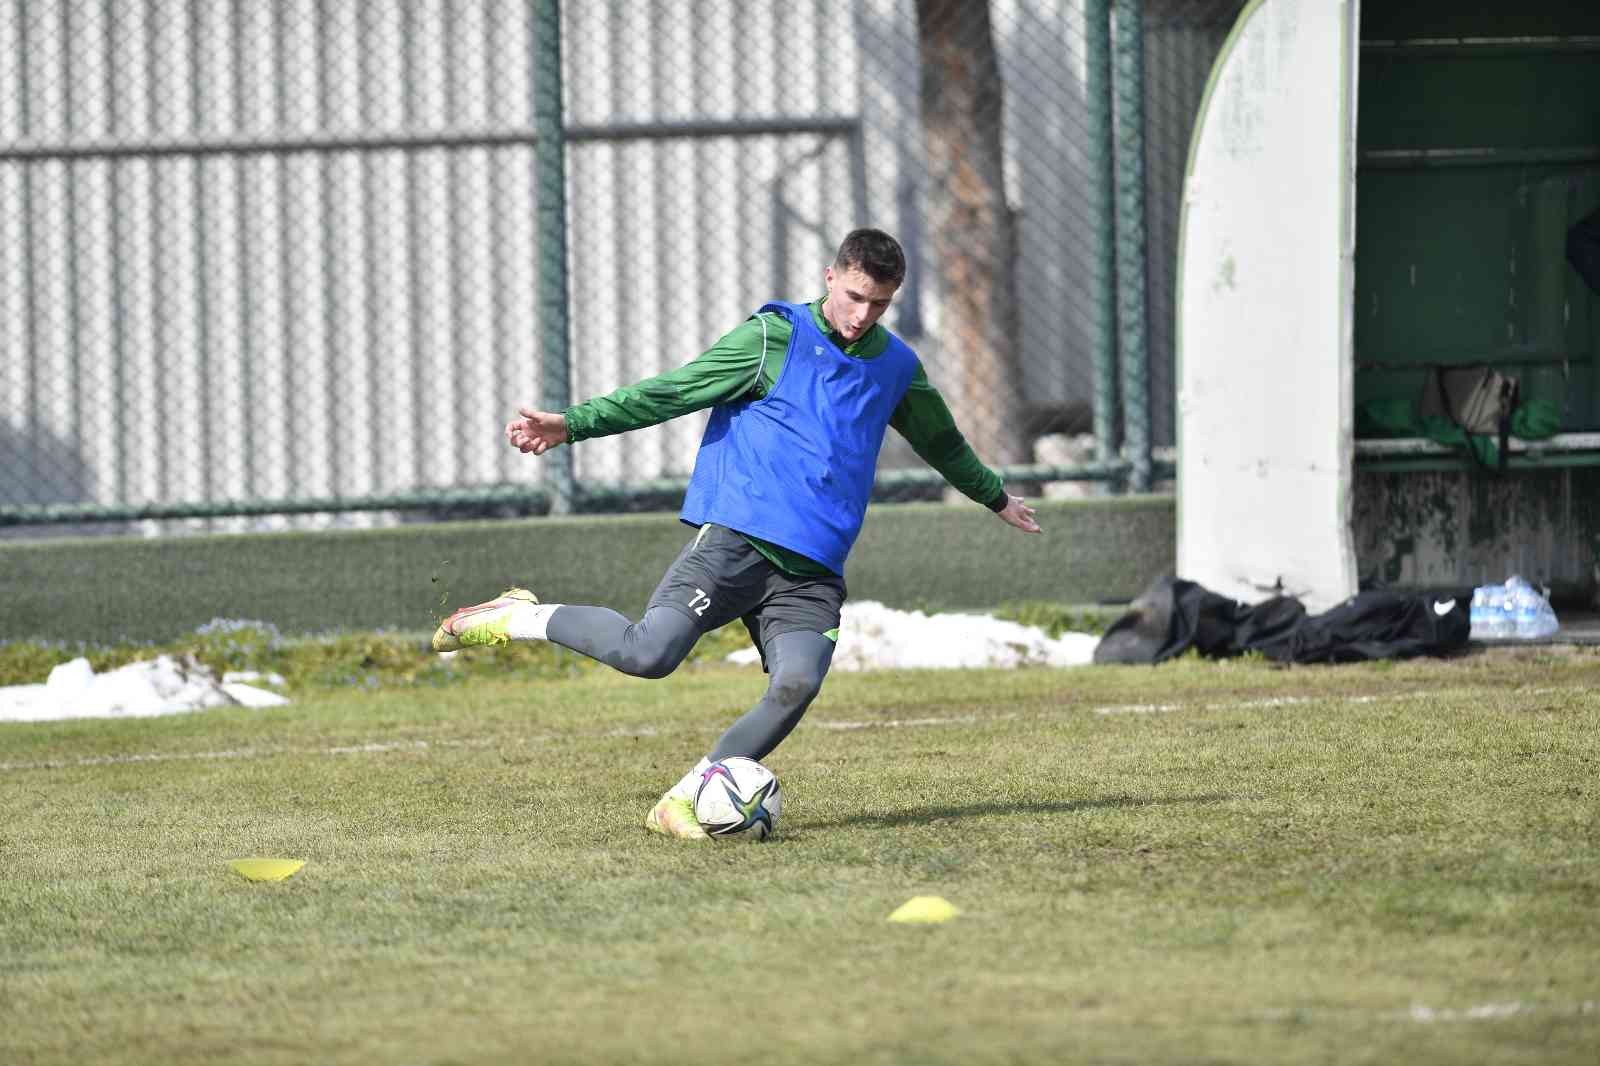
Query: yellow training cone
<point x="267" y="869"/>
<point x="925" y="909"/>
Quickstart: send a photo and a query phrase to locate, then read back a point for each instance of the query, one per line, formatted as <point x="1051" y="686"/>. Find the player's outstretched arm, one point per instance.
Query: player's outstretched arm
<point x="723" y="373"/>
<point x="1019" y="514"/>
<point x="536" y="431"/>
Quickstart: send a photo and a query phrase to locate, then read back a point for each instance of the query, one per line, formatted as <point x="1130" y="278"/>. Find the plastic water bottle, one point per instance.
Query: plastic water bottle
<point x="1496" y="623"/>
<point x="1532" y="616"/>
<point x="1546" y="622"/>
<point x="1478" y="614"/>
<point x="1524" y="610"/>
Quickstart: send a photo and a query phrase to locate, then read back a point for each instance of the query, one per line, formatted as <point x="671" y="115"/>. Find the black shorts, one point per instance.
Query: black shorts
<point x="719" y="576"/>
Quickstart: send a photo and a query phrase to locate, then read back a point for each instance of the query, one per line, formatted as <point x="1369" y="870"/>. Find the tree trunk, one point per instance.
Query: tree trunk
<point x="971" y="232"/>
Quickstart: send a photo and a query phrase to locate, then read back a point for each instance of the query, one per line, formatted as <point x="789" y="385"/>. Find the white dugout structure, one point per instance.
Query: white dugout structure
<point x="1266" y="286"/>
<point x="1469" y="161"/>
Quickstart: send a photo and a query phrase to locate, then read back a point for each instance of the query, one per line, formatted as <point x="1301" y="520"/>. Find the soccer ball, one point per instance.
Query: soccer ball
<point x="738" y="799"/>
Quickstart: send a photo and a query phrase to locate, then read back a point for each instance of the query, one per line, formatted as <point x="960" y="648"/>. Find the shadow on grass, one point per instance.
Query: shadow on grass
<point x="928" y="815"/>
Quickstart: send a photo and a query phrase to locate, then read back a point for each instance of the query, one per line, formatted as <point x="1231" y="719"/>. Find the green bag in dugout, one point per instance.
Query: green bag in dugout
<point x="1473" y="406"/>
<point x="1477" y="399"/>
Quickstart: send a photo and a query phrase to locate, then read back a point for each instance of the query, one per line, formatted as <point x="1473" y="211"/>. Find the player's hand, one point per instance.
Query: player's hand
<point x="1019" y="514"/>
<point x="536" y="431"/>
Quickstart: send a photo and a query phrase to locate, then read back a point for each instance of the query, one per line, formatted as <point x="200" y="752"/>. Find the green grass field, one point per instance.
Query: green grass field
<point x="1199" y="862"/>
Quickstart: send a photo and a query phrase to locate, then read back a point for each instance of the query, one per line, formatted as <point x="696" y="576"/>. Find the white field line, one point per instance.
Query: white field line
<point x="369" y="747"/>
<point x="1488" y="1012"/>
<point x="902" y="723"/>
<point x="1426" y="1015"/>
<point x="1296" y="701"/>
<point x="372" y="747"/>
<point x="376" y="747"/>
<point x="1232" y="705"/>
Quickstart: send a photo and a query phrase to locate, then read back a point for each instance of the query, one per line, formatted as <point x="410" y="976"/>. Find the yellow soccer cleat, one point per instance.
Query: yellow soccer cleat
<point x="673" y="816"/>
<point x="483" y="624"/>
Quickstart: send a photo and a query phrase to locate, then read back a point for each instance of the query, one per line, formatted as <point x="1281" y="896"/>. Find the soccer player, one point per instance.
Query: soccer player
<point x="801" y="395"/>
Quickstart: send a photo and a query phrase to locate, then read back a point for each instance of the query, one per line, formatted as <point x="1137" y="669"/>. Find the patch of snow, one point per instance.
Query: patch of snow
<point x="138" y="690"/>
<point x="875" y="637"/>
<point x="871" y="637"/>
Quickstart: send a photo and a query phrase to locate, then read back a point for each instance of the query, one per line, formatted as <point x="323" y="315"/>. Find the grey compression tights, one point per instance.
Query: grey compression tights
<point x="651" y="647"/>
<point x="657" y="643"/>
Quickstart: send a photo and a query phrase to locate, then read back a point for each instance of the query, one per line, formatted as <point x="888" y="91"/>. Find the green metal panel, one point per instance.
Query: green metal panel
<point x="1511" y="95"/>
<point x="1479" y="147"/>
<point x="1414" y="19"/>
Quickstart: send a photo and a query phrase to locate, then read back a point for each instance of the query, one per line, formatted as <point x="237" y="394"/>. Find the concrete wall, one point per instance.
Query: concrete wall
<point x="1454" y="528"/>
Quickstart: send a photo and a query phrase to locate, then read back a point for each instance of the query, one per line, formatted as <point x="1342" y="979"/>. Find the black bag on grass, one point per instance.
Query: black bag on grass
<point x="1174" y="615"/>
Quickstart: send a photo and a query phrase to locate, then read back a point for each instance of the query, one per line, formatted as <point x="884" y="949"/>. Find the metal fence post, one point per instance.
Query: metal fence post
<point x="1129" y="82"/>
<point x="1097" y="48"/>
<point x="550" y="188"/>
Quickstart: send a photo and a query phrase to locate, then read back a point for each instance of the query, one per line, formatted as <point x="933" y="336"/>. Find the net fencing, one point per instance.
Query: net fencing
<point x="296" y="264"/>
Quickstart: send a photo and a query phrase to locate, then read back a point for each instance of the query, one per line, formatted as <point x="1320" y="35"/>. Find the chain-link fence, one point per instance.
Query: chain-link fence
<point x="298" y="263"/>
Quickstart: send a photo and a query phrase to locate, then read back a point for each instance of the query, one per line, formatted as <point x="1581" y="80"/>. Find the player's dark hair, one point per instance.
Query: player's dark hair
<point x="874" y="253"/>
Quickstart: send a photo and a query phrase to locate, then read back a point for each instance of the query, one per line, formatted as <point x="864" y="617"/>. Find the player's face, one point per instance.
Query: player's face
<point x="855" y="301"/>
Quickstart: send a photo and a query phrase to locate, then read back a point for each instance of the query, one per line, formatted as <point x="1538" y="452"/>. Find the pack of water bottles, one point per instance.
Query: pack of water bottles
<point x="1514" y="610"/>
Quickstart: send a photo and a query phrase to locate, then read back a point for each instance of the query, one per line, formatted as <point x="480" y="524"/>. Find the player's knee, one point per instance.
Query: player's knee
<point x="652" y="652"/>
<point x="649" y="663"/>
<point x="651" y="660"/>
<point x="795" y="688"/>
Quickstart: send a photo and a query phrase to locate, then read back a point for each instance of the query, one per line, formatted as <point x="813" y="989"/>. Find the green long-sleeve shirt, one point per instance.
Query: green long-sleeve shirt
<point x="745" y="363"/>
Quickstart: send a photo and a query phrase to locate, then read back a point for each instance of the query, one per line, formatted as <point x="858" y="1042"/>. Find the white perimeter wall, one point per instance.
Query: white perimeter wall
<point x="1265" y="289"/>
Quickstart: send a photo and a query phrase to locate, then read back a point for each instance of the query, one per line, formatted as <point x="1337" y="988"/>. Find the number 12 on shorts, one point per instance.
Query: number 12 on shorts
<point x="699" y="601"/>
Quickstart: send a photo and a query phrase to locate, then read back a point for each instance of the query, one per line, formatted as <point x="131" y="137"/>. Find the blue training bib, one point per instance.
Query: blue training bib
<point x="796" y="467"/>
